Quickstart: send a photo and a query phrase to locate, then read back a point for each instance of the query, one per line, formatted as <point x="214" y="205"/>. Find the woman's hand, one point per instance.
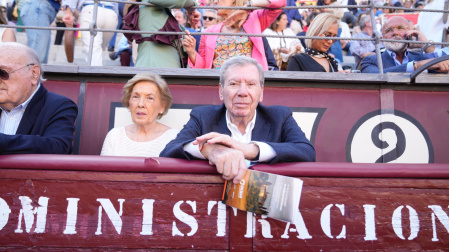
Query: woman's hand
<point x="189" y="43"/>
<point x="284" y="50"/>
<point x="238" y="17"/>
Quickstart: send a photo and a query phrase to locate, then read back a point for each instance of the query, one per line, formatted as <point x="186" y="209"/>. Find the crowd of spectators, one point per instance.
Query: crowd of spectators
<point x="210" y="51"/>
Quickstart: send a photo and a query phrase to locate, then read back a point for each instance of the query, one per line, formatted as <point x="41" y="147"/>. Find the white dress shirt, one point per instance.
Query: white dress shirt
<point x="9" y="121"/>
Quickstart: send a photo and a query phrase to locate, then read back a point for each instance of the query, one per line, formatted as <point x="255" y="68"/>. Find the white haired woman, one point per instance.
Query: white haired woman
<point x="148" y="98"/>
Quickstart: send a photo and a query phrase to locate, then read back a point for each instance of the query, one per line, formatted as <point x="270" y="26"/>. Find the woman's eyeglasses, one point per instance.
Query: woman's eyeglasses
<point x="208" y="18"/>
<point x="4" y="75"/>
<point x="329" y="36"/>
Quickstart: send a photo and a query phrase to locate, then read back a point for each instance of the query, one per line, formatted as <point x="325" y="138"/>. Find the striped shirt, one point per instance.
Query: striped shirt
<point x="9" y="121"/>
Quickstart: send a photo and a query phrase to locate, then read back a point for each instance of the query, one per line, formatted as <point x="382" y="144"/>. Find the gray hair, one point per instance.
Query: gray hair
<point x="363" y="21"/>
<point x="30" y="53"/>
<point x="211" y="10"/>
<point x="240" y="61"/>
<point x="164" y="91"/>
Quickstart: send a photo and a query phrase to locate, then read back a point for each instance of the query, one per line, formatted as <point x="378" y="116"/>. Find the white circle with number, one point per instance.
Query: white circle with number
<point x="389" y="138"/>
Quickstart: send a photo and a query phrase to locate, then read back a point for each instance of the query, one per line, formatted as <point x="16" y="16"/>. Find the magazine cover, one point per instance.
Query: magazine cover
<point x="264" y="193"/>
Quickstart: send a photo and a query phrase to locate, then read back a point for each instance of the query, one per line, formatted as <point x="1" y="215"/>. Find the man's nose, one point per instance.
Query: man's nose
<point x="243" y="89"/>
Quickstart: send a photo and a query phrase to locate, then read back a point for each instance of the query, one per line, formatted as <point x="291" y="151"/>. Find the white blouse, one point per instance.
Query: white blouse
<point x="117" y="143"/>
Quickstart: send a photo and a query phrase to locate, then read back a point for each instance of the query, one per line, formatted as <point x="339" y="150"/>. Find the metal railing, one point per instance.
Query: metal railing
<point x="376" y="39"/>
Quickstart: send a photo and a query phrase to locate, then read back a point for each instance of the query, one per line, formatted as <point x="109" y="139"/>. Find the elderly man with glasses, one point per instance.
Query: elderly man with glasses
<point x="397" y="56"/>
<point x="32" y="120"/>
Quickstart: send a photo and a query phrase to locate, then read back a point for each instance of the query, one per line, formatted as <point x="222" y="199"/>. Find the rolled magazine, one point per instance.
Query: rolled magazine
<point x="264" y="193"/>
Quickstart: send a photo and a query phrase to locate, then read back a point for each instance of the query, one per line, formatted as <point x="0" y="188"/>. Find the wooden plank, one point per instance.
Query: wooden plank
<point x="87" y="204"/>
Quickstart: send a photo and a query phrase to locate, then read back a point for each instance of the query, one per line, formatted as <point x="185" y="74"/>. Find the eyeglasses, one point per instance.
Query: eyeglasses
<point x="208" y="18"/>
<point x="329" y="36"/>
<point x="4" y="75"/>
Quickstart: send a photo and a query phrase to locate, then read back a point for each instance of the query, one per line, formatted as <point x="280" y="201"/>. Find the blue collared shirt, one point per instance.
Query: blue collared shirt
<point x="9" y="121"/>
<point x="438" y="52"/>
<point x="405" y="60"/>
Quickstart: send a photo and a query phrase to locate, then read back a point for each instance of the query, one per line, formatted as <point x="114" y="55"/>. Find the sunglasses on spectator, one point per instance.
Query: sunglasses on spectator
<point x="4" y="75"/>
<point x="206" y="18"/>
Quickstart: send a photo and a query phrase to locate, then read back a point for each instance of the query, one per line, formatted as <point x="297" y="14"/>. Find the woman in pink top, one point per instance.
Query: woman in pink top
<point x="214" y="50"/>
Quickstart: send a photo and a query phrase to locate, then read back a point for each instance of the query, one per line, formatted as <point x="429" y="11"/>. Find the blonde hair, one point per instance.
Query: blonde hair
<point x="240" y="3"/>
<point x="165" y="94"/>
<point x="320" y="25"/>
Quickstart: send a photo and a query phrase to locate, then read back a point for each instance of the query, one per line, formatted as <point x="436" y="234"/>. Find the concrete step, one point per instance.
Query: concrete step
<point x="57" y="55"/>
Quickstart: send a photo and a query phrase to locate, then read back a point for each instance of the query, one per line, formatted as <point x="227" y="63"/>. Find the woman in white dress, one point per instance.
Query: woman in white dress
<point x="148" y="98"/>
<point x="283" y="48"/>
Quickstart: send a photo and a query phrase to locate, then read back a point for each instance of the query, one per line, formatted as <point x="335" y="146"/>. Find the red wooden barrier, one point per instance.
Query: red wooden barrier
<point x="55" y="202"/>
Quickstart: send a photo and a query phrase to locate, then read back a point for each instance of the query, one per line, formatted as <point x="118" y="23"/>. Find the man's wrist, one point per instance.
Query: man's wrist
<point x="428" y="46"/>
<point x="254" y="151"/>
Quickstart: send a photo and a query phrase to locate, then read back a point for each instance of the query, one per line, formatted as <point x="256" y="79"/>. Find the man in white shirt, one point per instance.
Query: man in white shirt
<point x="241" y="130"/>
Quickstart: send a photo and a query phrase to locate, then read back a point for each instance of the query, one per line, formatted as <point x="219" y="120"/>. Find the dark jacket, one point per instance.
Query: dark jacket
<point x="369" y="63"/>
<point x="46" y="127"/>
<point x="274" y="126"/>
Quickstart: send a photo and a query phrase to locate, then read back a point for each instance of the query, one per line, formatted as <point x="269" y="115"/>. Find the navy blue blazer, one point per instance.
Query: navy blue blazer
<point x="46" y="127"/>
<point x="274" y="126"/>
<point x="369" y="63"/>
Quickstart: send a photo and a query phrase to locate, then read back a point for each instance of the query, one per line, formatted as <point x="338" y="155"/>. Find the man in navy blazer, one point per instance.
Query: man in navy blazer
<point x="397" y="57"/>
<point x="32" y="120"/>
<point x="241" y="130"/>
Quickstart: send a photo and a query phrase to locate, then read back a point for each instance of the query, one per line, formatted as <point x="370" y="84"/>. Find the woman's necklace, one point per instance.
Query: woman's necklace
<point x="280" y="39"/>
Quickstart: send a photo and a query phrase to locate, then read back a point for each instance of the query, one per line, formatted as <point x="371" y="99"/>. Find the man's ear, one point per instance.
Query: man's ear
<point x="35" y="74"/>
<point x="220" y="91"/>
<point x="261" y="95"/>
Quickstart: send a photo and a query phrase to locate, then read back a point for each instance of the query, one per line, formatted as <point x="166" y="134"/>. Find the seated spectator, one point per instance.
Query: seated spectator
<point x="408" y="4"/>
<point x="347" y="14"/>
<point x="6" y="34"/>
<point x="4" y="13"/>
<point x="315" y="58"/>
<point x="387" y="11"/>
<point x="357" y="28"/>
<point x="362" y="48"/>
<point x="148" y="98"/>
<point x="241" y="130"/>
<point x="362" y="9"/>
<point x="32" y="120"/>
<point x="124" y="52"/>
<point x="214" y="50"/>
<point x="397" y="56"/>
<point x="398" y="4"/>
<point x="181" y="17"/>
<point x="294" y="18"/>
<point x="283" y="48"/>
<point x="209" y="18"/>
